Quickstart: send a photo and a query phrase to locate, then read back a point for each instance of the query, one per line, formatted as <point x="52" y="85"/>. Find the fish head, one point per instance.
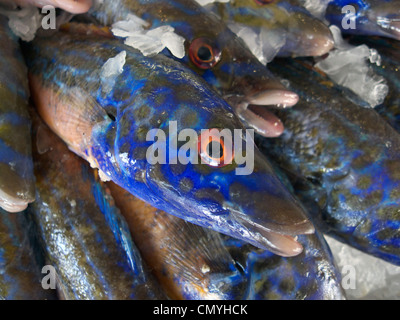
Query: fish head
<point x="224" y="61"/>
<point x="191" y="157"/>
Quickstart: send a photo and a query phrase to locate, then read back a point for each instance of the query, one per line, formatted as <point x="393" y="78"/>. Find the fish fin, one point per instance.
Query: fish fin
<point x="71" y="114"/>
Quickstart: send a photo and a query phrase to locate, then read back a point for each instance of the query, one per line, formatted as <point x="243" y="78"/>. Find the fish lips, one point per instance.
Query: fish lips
<point x="253" y="109"/>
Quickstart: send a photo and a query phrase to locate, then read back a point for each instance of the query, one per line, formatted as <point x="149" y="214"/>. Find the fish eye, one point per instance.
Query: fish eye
<point x="213" y="150"/>
<point x="203" y="53"/>
<point x="263" y="2"/>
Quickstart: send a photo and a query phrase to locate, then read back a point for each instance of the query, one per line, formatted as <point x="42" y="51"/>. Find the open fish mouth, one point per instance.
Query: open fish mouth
<point x="255" y="114"/>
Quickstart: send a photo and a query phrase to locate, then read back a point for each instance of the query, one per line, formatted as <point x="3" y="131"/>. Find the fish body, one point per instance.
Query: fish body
<point x="214" y="52"/>
<point x="189" y="261"/>
<point x="16" y="168"/>
<point x="109" y="129"/>
<point x="312" y="275"/>
<point x="366" y="17"/>
<point x="349" y="157"/>
<point x="284" y="28"/>
<point x="21" y="261"/>
<point x="83" y="234"/>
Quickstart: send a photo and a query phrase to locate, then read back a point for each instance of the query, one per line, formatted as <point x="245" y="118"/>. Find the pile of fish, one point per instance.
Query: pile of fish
<point x="88" y="211"/>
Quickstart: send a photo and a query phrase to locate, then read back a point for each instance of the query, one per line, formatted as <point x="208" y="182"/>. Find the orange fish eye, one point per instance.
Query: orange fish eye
<point x="263" y="2"/>
<point x="208" y="141"/>
<point x="203" y="53"/>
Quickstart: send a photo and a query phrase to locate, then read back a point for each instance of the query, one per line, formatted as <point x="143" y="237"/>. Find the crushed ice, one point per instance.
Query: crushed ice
<point x="316" y="7"/>
<point x="263" y="43"/>
<point x="111" y="70"/>
<point x="348" y="66"/>
<point x="149" y="42"/>
<point x="24" y="22"/>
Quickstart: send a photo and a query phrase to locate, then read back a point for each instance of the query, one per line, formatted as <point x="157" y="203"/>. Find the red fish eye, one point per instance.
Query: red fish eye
<point x="203" y="53"/>
<point x="263" y="2"/>
<point x="213" y="150"/>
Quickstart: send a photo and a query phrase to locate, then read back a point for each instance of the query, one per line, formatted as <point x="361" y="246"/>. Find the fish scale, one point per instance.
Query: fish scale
<point x="16" y="168"/>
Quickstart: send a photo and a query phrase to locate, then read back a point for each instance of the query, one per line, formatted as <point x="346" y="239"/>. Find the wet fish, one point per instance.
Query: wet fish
<point x="312" y="275"/>
<point x="388" y="68"/>
<point x="190" y="262"/>
<point x="109" y="129"/>
<point x="21" y="261"/>
<point x="83" y="234"/>
<point x="284" y="28"/>
<point x="16" y="168"/>
<point x="348" y="154"/>
<point x="213" y="52"/>
<point x="366" y="17"/>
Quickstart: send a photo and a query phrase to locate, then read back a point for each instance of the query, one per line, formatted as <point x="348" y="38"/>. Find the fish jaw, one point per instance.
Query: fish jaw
<point x="254" y="113"/>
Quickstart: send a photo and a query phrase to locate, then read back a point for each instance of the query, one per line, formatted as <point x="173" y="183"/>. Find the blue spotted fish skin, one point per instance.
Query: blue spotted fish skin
<point x="16" y="169"/>
<point x="83" y="234"/>
<point x="312" y="275"/>
<point x="347" y="155"/>
<point x="389" y="51"/>
<point x="21" y="261"/>
<point x="149" y="94"/>
<point x="299" y="33"/>
<point x="371" y="17"/>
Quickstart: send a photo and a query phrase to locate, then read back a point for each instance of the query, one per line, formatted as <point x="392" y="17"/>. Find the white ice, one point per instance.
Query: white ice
<point x="149" y="42"/>
<point x="111" y="70"/>
<point x="24" y="22"/>
<point x="349" y="67"/>
<point x="316" y="7"/>
<point x="364" y="276"/>
<point x="264" y="44"/>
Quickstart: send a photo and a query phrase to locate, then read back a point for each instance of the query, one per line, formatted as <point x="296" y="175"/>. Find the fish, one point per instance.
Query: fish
<point x="17" y="181"/>
<point x="108" y="125"/>
<point x="366" y="17"/>
<point x="312" y="275"/>
<point x="344" y="160"/>
<point x="388" y="67"/>
<point x="84" y="236"/>
<point x="21" y="261"/>
<point x="190" y="262"/>
<point x="214" y="52"/>
<point x="72" y="6"/>
<point x="284" y="28"/>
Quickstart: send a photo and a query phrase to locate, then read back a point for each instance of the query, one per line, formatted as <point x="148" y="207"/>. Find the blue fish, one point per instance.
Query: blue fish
<point x="345" y="160"/>
<point x="108" y="127"/>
